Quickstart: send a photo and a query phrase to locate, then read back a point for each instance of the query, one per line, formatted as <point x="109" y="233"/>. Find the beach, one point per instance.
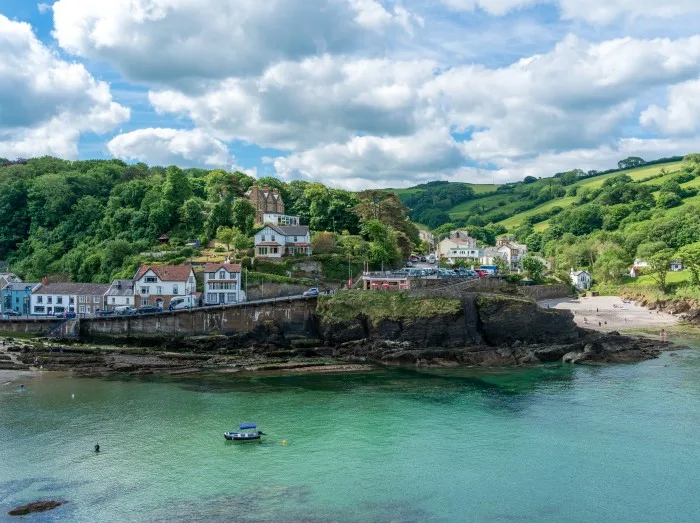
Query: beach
<point x="610" y="313"/>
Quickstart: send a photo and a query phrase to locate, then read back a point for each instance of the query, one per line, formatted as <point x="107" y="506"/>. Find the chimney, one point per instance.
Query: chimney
<point x="44" y="280"/>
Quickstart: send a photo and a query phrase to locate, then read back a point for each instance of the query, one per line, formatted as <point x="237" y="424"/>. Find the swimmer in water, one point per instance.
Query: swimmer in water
<point x="97" y="447"/>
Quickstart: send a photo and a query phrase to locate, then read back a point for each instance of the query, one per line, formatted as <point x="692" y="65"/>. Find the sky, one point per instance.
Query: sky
<point x="353" y="93"/>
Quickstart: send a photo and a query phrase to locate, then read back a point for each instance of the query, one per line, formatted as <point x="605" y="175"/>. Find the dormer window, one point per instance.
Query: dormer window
<point x="151" y="279"/>
<point x="222" y="275"/>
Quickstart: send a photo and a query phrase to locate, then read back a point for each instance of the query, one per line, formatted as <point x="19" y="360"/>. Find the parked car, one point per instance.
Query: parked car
<point x="431" y="259"/>
<point x="106" y="312"/>
<point x="124" y="310"/>
<point x="409" y="264"/>
<point x="423" y="259"/>
<point x="67" y="315"/>
<point x="148" y="309"/>
<point x="313" y="291"/>
<point x="10" y="314"/>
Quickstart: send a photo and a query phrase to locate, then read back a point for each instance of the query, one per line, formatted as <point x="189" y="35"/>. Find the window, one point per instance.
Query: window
<point x="296" y="239"/>
<point x="272" y="238"/>
<point x="159" y="290"/>
<point x="151" y="279"/>
<point x="114" y="300"/>
<point x="59" y="300"/>
<point x="38" y="310"/>
<point x="222" y="275"/>
<point x="144" y="290"/>
<point x="274" y="250"/>
<point x="81" y="309"/>
<point x="71" y="300"/>
<point x="262" y="251"/>
<point x="128" y="300"/>
<point x="175" y="289"/>
<point x="40" y="299"/>
<point x="263" y="237"/>
<point x="49" y="299"/>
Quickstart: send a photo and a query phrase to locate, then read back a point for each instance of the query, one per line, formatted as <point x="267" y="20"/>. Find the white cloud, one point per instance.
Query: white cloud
<point x="371" y="161"/>
<point x="46" y="102"/>
<point x="43" y="8"/>
<point x="576" y="96"/>
<point x="681" y="116"/>
<point x="593" y="11"/>
<point x="171" y="147"/>
<point x="317" y="100"/>
<point x="184" y="41"/>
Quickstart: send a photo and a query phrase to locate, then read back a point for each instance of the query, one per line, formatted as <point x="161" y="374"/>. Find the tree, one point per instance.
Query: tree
<point x="667" y="200"/>
<point x="529" y="179"/>
<point x="659" y="263"/>
<point x="689" y="255"/>
<point x="323" y="243"/>
<point x="192" y="216"/>
<point x="648" y="249"/>
<point x="226" y="235"/>
<point x="220" y="216"/>
<point x="243" y="215"/>
<point x="177" y="186"/>
<point x="610" y="266"/>
<point x="631" y="163"/>
<point x="533" y="267"/>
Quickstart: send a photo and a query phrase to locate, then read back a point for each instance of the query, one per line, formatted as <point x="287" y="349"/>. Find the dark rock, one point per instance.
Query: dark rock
<point x="36" y="506"/>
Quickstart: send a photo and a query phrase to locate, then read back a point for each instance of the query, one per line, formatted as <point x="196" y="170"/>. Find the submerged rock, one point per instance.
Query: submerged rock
<point x="35" y="506"/>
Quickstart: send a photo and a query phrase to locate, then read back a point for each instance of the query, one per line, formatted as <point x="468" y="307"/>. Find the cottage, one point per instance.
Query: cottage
<point x="455" y="240"/>
<point x="511" y="251"/>
<point x="265" y="201"/>
<point x="120" y="294"/>
<point x="490" y="256"/>
<point x="676" y="266"/>
<point x="159" y="284"/>
<point x="222" y="284"/>
<point x="16" y="297"/>
<point x="61" y="298"/>
<point x="581" y="279"/>
<point x="275" y="241"/>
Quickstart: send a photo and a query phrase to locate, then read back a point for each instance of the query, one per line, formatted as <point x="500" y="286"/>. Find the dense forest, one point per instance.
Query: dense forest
<point x="96" y="220"/>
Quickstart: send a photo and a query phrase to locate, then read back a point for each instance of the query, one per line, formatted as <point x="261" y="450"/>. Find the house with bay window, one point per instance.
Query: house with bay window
<point x="159" y="284"/>
<point x="222" y="284"/>
<point x="276" y="241"/>
<point x="60" y="298"/>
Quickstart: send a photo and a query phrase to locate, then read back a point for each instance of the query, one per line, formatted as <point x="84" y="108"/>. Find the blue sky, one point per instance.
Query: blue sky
<point x="354" y="93"/>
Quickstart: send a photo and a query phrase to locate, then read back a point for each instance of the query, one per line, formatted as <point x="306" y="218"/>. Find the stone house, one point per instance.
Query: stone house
<point x="265" y="201"/>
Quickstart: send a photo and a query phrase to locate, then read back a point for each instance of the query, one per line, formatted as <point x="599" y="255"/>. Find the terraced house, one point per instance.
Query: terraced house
<point x="60" y="298"/>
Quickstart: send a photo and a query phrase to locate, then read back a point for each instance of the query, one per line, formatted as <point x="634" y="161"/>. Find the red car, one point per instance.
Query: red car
<point x="482" y="274"/>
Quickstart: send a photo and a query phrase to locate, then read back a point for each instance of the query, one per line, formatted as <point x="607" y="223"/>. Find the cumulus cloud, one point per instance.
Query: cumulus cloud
<point x="593" y="11"/>
<point x="317" y="100"/>
<point x="183" y="41"/>
<point x="170" y="147"/>
<point x="371" y="161"/>
<point x="46" y="102"/>
<point x="682" y="114"/>
<point x="575" y="96"/>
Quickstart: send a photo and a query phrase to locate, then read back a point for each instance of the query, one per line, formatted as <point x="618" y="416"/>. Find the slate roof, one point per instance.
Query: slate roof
<point x="19" y="286"/>
<point x="290" y="230"/>
<point x="127" y="288"/>
<point x="230" y="267"/>
<point x="78" y="289"/>
<point x="166" y="272"/>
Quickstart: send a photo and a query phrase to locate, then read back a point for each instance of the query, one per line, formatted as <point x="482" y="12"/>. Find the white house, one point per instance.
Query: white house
<point x="280" y="219"/>
<point x="581" y="279"/>
<point x="59" y="298"/>
<point x="119" y="294"/>
<point x="275" y="241"/>
<point x="461" y="253"/>
<point x="676" y="266"/>
<point x="158" y="284"/>
<point x="489" y="256"/>
<point x="456" y="240"/>
<point x="222" y="283"/>
<point x="512" y="251"/>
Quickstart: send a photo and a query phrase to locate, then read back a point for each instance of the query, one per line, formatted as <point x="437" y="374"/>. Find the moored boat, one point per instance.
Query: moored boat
<point x="246" y="432"/>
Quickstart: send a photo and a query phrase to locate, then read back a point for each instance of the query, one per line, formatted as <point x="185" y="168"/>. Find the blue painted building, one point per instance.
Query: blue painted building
<point x="16" y="296"/>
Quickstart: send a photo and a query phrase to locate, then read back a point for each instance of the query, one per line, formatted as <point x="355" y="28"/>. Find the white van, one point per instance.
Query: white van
<point x="431" y="259"/>
<point x="183" y="302"/>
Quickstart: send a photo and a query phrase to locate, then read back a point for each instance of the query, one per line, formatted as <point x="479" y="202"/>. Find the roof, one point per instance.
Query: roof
<point x="20" y="286"/>
<point x="166" y="272"/>
<point x="267" y="244"/>
<point x="79" y="289"/>
<point x="577" y="273"/>
<point x="126" y="289"/>
<point x="230" y="267"/>
<point x="290" y="230"/>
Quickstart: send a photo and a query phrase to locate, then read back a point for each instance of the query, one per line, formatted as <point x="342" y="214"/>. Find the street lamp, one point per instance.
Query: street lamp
<point x="27" y="293"/>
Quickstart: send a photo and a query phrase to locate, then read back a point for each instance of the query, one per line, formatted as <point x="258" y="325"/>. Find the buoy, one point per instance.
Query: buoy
<point x="284" y="442"/>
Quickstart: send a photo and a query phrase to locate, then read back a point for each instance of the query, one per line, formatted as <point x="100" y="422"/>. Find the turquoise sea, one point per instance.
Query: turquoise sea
<point x="554" y="443"/>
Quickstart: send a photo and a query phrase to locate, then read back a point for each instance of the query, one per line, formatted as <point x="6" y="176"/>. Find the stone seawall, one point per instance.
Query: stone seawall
<point x="286" y="319"/>
<point x="27" y="326"/>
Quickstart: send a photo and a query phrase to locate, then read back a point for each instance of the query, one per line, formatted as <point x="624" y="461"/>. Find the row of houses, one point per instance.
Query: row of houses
<point x="158" y="285"/>
<point x="459" y="246"/>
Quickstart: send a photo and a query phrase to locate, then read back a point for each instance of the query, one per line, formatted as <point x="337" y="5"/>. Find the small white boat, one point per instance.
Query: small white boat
<point x="244" y="433"/>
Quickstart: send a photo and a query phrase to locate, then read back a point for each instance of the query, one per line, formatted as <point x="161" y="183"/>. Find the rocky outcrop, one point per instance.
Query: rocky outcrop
<point x="488" y="330"/>
<point x="36" y="506"/>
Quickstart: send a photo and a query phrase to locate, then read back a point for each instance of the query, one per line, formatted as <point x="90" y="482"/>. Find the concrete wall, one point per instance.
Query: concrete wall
<point x="458" y="290"/>
<point x="28" y="326"/>
<point x="546" y="292"/>
<point x="292" y="318"/>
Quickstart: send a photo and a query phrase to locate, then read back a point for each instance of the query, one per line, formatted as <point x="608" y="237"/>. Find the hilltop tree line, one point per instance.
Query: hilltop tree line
<point x="90" y="220"/>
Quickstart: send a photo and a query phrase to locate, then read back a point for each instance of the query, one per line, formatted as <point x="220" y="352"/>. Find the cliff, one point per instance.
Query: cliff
<point x="479" y="329"/>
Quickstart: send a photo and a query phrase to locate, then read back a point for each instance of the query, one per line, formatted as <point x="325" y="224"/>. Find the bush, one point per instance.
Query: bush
<point x="219" y="248"/>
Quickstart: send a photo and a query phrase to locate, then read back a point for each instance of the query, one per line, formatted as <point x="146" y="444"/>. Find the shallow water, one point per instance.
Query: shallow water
<point x="554" y="443"/>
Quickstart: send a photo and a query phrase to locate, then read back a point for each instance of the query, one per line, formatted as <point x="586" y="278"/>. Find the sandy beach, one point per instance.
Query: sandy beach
<point x="610" y="313"/>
